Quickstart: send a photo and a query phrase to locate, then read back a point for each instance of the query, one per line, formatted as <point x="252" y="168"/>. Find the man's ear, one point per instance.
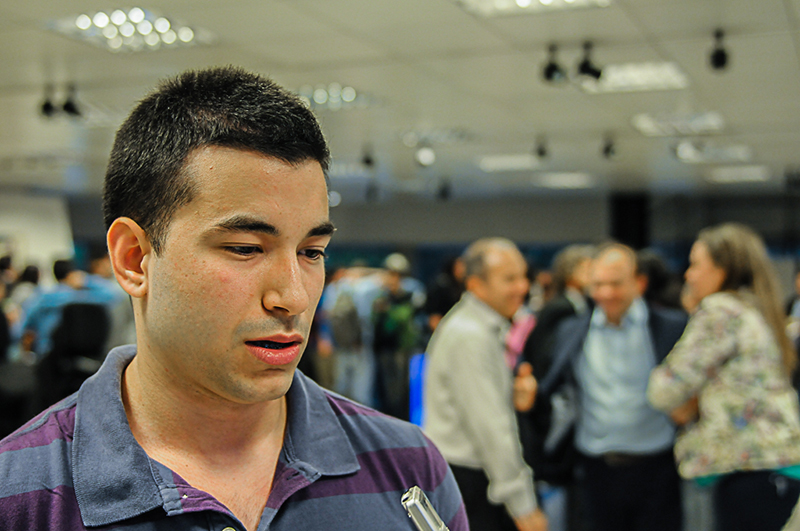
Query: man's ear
<point x="642" y="282"/>
<point x="130" y="252"/>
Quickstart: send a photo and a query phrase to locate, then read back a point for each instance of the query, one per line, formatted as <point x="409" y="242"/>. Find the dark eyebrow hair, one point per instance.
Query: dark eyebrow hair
<point x="243" y="223"/>
<point x="247" y="224"/>
<point x="324" y="229"/>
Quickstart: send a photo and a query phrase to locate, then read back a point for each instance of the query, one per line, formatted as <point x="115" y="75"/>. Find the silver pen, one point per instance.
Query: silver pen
<point x="421" y="511"/>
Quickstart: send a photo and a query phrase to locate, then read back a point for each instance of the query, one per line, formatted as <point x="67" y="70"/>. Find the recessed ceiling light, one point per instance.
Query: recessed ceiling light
<point x="739" y="174"/>
<point x="130" y="31"/>
<point x="635" y="77"/>
<point x="702" y="123"/>
<point x="501" y="8"/>
<point x="699" y="152"/>
<point x="565" y="180"/>
<point x="502" y="163"/>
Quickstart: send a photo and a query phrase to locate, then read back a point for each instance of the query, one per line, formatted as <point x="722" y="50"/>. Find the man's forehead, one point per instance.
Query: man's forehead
<point x="614" y="261"/>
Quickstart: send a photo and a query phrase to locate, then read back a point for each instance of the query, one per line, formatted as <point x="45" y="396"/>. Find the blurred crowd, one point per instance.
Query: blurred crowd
<point x="604" y="392"/>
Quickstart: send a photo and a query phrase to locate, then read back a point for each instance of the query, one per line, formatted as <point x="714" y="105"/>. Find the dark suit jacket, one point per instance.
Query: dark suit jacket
<point x="666" y="327"/>
<point x="538" y="349"/>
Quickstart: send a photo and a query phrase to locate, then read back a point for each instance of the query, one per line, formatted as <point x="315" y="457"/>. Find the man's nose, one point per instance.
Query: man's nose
<point x="284" y="286"/>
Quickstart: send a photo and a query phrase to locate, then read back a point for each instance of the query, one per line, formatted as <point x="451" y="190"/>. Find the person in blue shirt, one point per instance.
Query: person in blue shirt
<point x="44" y="311"/>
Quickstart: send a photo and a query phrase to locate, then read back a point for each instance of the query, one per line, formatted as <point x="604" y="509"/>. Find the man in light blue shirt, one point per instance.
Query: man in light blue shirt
<point x="627" y="471"/>
<point x="44" y="312"/>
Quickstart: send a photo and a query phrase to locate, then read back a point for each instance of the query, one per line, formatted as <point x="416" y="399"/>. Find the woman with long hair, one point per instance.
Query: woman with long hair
<point x="728" y="380"/>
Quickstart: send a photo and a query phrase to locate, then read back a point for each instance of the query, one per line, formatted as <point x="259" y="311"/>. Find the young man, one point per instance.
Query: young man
<point x="216" y="203"/>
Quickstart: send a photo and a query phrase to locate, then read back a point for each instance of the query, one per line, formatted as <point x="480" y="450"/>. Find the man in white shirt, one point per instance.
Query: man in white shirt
<point x="469" y="392"/>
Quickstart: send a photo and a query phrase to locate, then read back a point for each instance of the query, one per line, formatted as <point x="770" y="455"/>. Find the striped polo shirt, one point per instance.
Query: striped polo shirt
<point x="343" y="466"/>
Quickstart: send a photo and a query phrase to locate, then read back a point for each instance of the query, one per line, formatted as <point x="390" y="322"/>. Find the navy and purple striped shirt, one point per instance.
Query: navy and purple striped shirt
<point x="343" y="467"/>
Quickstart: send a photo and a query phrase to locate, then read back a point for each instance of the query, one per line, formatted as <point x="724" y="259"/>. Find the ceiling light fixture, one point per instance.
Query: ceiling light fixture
<point x="699" y="152"/>
<point x="425" y="156"/>
<point x="368" y="159"/>
<point x="719" y="55"/>
<point x="504" y="163"/>
<point x="636" y="77"/>
<point x="564" y="180"/>
<point x="586" y="67"/>
<point x="130" y="30"/>
<point x="552" y="71"/>
<point x="739" y="174"/>
<point x="540" y="149"/>
<point x="702" y="123"/>
<point x="48" y="109"/>
<point x="333" y="97"/>
<point x="70" y="106"/>
<point x="503" y="8"/>
<point x="609" y="149"/>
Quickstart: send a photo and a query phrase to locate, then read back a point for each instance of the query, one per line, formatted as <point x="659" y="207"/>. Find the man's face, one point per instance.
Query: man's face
<point x="505" y="284"/>
<point x="230" y="300"/>
<point x="613" y="284"/>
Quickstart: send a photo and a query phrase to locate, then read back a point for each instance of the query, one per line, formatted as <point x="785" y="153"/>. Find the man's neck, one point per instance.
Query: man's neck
<point x="228" y="450"/>
<point x="167" y="417"/>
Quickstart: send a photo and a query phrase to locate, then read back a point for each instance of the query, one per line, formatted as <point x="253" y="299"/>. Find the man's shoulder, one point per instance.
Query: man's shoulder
<point x="573" y="325"/>
<point x="35" y="463"/>
<point x="392" y="455"/>
<point x="370" y="430"/>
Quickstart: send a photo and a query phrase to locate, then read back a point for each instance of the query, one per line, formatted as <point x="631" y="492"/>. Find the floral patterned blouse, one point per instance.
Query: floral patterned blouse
<point x="748" y="410"/>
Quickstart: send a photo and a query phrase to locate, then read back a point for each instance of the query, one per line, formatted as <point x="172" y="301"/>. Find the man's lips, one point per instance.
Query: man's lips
<point x="276" y="350"/>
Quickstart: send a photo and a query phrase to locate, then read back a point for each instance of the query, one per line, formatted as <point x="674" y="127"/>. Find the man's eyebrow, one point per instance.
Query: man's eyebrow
<point x="251" y="224"/>
<point x="247" y="224"/>
<point x="323" y="229"/>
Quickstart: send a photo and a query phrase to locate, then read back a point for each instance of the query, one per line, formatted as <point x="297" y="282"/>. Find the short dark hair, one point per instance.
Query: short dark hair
<point x="222" y="106"/>
<point x="62" y="268"/>
<point x="30" y="274"/>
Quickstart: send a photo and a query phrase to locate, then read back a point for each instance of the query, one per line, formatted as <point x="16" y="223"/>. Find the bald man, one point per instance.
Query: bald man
<point x="469" y="411"/>
<point x="627" y="471"/>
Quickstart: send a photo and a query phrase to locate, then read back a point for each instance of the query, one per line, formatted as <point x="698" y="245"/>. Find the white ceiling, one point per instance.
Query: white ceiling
<point x="430" y="67"/>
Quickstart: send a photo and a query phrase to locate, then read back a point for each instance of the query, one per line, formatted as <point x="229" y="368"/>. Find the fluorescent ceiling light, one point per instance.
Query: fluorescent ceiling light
<point x="697" y="152"/>
<point x="739" y="174"/>
<point x="130" y="30"/>
<point x="678" y="124"/>
<point x="333" y="97"/>
<point x="501" y="8"/>
<point x="501" y="163"/>
<point x="565" y="180"/>
<point x="637" y="77"/>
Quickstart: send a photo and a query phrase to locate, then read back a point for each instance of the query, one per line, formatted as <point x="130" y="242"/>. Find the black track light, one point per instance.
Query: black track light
<point x="540" y="149"/>
<point x="367" y="157"/>
<point x="70" y="106"/>
<point x="609" y="149"/>
<point x="586" y="67"/>
<point x="719" y="55"/>
<point x="552" y="72"/>
<point x="48" y="109"/>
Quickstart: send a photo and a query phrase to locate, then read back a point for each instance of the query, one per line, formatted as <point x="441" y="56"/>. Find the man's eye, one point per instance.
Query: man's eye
<point x="243" y="250"/>
<point x="314" y="254"/>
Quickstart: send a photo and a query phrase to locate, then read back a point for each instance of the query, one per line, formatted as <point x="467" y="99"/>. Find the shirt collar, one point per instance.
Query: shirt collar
<point x="636" y="315"/>
<point x="114" y="478"/>
<point x="486" y="312"/>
